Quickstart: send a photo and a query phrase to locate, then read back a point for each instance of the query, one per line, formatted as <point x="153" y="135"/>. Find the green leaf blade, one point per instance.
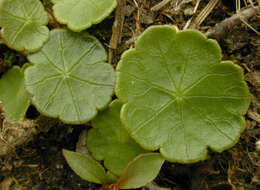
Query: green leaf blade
<point x="85" y="167"/>
<point x="69" y="78"/>
<point x="81" y="14"/>
<point x="109" y="141"/>
<point x="179" y="97"/>
<point x="140" y="171"/>
<point x="23" y="24"/>
<point x="13" y="95"/>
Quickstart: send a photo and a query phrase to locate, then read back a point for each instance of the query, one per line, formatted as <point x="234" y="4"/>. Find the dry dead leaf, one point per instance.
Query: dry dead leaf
<point x="10" y="183"/>
<point x="13" y="134"/>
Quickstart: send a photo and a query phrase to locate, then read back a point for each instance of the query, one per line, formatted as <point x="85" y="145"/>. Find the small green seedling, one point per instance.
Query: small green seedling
<point x="23" y="24"/>
<point x="14" y="97"/>
<point x="70" y="78"/>
<point x="141" y="170"/>
<point x="179" y="97"/>
<point x="108" y="140"/>
<point x="81" y="14"/>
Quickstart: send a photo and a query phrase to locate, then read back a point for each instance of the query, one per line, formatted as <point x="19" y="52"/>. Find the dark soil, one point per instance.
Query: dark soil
<point x="40" y="165"/>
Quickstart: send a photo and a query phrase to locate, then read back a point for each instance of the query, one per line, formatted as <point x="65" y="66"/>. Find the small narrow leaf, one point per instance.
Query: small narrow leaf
<point x="23" y="24"/>
<point x="14" y="97"/>
<point x="109" y="141"/>
<point x="86" y="167"/>
<point x="81" y="14"/>
<point x="141" y="171"/>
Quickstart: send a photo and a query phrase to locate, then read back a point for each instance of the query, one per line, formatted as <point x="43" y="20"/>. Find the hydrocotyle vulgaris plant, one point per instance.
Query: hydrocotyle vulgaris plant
<point x="179" y="97"/>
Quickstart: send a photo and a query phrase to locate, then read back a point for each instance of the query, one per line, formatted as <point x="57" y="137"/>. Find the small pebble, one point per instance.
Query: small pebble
<point x="188" y="11"/>
<point x="258" y="145"/>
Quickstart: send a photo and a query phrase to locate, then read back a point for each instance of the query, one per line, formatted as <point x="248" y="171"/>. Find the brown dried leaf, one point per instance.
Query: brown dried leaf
<point x="10" y="183"/>
<point x="13" y="134"/>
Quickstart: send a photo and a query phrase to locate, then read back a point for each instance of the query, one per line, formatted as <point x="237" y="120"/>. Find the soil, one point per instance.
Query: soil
<point x="39" y="164"/>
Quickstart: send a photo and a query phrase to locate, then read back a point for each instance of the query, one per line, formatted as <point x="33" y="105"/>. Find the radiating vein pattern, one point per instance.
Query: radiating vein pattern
<point x="23" y="24"/>
<point x="70" y="78"/>
<point x="179" y="97"/>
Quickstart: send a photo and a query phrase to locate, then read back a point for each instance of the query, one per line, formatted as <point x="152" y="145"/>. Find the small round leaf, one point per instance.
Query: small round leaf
<point x="109" y="141"/>
<point x="81" y="14"/>
<point x="70" y="78"/>
<point x="23" y="24"/>
<point x="179" y="97"/>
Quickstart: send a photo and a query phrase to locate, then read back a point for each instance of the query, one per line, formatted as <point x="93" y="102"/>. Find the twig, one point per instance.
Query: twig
<point x="196" y="6"/>
<point x="221" y="29"/>
<point x="194" y="12"/>
<point x="138" y="24"/>
<point x="117" y="28"/>
<point x="203" y="14"/>
<point x="160" y="5"/>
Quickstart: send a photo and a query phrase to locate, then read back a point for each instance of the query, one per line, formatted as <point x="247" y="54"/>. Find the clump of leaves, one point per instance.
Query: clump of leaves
<point x="81" y="14"/>
<point x="14" y="97"/>
<point x="109" y="141"/>
<point x="178" y="96"/>
<point x="23" y="24"/>
<point x="141" y="170"/>
<point x="70" y="78"/>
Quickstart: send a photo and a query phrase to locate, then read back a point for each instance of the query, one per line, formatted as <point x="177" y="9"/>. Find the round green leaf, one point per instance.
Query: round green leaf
<point x="140" y="171"/>
<point x="14" y="97"/>
<point x="69" y="78"/>
<point x="179" y="97"/>
<point x="109" y="141"/>
<point x="81" y="14"/>
<point x="86" y="167"/>
<point x="22" y="23"/>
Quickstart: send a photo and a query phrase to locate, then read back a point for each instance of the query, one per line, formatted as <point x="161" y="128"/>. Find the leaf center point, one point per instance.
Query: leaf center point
<point x="65" y="75"/>
<point x="179" y="95"/>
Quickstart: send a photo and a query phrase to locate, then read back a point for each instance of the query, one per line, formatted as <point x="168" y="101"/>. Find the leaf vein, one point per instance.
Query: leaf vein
<point x="184" y="130"/>
<point x="88" y="51"/>
<point x="187" y="89"/>
<point x="165" y="65"/>
<point x="209" y="120"/>
<point x="90" y="82"/>
<point x="51" y="62"/>
<point x="50" y="98"/>
<point x="160" y="88"/>
<point x="73" y="99"/>
<point x="219" y="97"/>
<point x="154" y="115"/>
<point x="18" y="33"/>
<point x="44" y="79"/>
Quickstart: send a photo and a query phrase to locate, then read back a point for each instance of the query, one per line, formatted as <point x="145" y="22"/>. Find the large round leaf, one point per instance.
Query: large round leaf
<point x="179" y="97"/>
<point x="69" y="78"/>
<point x="22" y="23"/>
<point x="81" y="14"/>
<point x="109" y="141"/>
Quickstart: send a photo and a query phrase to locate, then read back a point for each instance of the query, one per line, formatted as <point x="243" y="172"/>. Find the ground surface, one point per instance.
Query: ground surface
<point x="39" y="165"/>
